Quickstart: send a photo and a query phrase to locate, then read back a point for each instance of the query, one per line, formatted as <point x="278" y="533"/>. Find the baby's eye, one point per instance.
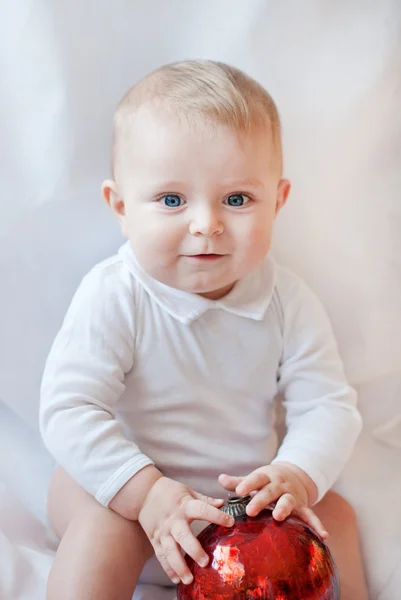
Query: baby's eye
<point x="172" y="201"/>
<point x="237" y="200"/>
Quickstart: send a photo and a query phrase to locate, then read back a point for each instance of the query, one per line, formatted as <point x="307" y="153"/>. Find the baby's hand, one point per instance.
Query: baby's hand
<point x="275" y="483"/>
<point x="165" y="516"/>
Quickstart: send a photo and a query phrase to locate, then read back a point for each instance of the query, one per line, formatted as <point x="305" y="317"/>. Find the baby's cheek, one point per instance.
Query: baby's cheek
<point x="152" y="236"/>
<point x="258" y="242"/>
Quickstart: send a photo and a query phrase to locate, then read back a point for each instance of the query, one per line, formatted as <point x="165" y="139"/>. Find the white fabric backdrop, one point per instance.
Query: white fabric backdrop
<point x="334" y="69"/>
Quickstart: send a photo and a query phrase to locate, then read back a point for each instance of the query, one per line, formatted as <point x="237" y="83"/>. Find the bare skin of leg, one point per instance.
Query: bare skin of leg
<point x="339" y="518"/>
<point x="101" y="554"/>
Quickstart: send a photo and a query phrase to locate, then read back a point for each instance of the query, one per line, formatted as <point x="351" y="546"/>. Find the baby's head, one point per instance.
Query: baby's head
<point x="197" y="165"/>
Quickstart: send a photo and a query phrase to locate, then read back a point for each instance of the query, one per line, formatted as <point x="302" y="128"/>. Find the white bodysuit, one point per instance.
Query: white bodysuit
<point x="142" y="373"/>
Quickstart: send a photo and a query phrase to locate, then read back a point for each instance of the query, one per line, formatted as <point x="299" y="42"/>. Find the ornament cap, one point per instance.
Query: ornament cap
<point x="236" y="505"/>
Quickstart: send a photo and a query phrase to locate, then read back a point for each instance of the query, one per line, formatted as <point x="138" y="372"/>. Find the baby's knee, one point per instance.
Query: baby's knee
<point x="71" y="507"/>
<point x="66" y="499"/>
<point x="336" y="505"/>
<point x="104" y="524"/>
<point x="98" y="520"/>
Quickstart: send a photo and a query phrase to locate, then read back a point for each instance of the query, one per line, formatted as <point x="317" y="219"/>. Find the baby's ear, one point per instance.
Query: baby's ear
<point x="112" y="196"/>
<point x="283" y="191"/>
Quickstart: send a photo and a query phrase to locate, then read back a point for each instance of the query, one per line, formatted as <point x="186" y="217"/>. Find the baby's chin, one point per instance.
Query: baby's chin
<point x="213" y="292"/>
<point x="207" y="284"/>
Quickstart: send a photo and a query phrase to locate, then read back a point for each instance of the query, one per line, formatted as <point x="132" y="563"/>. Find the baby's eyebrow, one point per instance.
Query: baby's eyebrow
<point x="169" y="185"/>
<point x="234" y="185"/>
<point x="238" y="183"/>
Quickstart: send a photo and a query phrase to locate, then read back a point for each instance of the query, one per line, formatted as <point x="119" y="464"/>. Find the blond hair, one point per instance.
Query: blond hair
<point x="202" y="92"/>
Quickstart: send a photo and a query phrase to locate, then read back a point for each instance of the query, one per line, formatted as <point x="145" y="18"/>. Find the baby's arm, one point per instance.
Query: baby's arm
<point x="83" y="381"/>
<point x="322" y="419"/>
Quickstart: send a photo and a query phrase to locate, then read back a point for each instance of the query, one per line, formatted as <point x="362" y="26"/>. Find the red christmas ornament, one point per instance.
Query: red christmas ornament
<point x="262" y="558"/>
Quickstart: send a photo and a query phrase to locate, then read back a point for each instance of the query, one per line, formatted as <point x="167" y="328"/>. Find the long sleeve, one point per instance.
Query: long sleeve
<point x="83" y="381"/>
<point x="322" y="420"/>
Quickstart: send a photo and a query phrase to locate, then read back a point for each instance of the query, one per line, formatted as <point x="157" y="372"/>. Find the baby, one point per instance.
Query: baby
<point x="158" y="393"/>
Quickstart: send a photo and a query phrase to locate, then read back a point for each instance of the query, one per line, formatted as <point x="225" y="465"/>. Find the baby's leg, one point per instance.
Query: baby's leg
<point x="101" y="554"/>
<point x="339" y="519"/>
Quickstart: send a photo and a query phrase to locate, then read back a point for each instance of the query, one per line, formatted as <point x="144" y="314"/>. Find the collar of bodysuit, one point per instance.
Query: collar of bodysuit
<point x="249" y="298"/>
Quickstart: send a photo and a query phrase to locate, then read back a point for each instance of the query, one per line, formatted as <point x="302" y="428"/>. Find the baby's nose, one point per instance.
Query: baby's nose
<point x="206" y="223"/>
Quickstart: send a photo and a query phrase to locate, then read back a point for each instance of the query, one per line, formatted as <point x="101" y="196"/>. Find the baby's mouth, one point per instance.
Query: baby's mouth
<point x="209" y="257"/>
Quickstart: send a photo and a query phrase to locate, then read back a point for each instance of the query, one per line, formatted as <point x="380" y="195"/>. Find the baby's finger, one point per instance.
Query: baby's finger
<point x="229" y="482"/>
<point x="172" y="560"/>
<point x="213" y="501"/>
<point x="261" y="500"/>
<point x="159" y="553"/>
<point x="254" y="481"/>
<point x="313" y="521"/>
<point x="181" y="532"/>
<point x="196" y="509"/>
<point x="284" y="507"/>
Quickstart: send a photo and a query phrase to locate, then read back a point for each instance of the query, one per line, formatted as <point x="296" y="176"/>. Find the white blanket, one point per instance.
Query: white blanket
<point x="334" y="69"/>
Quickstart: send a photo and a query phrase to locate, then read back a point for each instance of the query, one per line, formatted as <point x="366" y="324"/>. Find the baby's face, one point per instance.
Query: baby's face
<point x="198" y="207"/>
